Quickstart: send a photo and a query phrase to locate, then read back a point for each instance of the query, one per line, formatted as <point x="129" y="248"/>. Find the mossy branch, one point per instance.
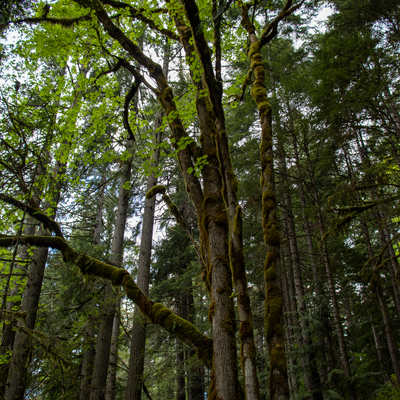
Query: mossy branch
<point x="65" y="22"/>
<point x="155" y="312"/>
<point x="36" y="213"/>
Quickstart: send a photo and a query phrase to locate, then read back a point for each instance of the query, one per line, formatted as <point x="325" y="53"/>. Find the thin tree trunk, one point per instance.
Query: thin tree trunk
<point x="308" y="359"/>
<point x="332" y="293"/>
<point x="88" y="355"/>
<point x="394" y="353"/>
<point x="136" y="358"/>
<point x="138" y="343"/>
<point x="325" y="337"/>
<point x="104" y="337"/>
<point x="288" y="318"/>
<point x="111" y="390"/>
<point x="23" y="349"/>
<point x="181" y="310"/>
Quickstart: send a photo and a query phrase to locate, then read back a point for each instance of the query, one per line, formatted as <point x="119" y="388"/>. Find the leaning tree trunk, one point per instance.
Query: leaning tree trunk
<point x="23" y="349"/>
<point x="8" y="335"/>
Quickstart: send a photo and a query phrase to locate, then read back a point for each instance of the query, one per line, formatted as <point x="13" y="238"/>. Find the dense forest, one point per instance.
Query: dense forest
<point x="199" y="199"/>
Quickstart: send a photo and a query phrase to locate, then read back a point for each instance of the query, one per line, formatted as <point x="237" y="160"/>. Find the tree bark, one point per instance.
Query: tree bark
<point x="101" y="362"/>
<point x="136" y="357"/>
<point x="88" y="355"/>
<point x="308" y="359"/>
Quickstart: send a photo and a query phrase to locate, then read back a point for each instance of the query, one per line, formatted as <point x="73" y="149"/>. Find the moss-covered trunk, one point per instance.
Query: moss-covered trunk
<point x="279" y="389"/>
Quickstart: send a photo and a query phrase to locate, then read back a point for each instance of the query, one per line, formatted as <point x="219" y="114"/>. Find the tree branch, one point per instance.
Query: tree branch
<point x="155" y="312"/>
<point x="34" y="212"/>
<point x="140" y="16"/>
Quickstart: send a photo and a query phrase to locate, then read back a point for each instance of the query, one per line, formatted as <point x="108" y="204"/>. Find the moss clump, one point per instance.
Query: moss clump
<point x="264" y="108"/>
<point x="273" y="310"/>
<point x="270" y="274"/>
<point x="271" y="234"/>
<point x="255" y="64"/>
<point x="117" y="276"/>
<point x="270" y="260"/>
<point x="278" y="358"/>
<point x="158" y="313"/>
<point x="155" y="190"/>
<point x="254" y="51"/>
<point x="131" y="289"/>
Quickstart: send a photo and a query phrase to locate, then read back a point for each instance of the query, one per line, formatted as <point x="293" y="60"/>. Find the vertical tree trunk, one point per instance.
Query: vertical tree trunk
<point x="332" y="293"/>
<point x="289" y="323"/>
<point x="136" y="358"/>
<point x="101" y="362"/>
<point x="181" y="310"/>
<point x="111" y="390"/>
<point x="88" y="355"/>
<point x="325" y="338"/>
<point x="308" y="359"/>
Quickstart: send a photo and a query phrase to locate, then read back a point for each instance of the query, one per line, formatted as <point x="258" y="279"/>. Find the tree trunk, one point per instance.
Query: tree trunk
<point x="181" y="310"/>
<point x="8" y="335"/>
<point x="23" y="349"/>
<point x="325" y="338"/>
<point x="136" y="357"/>
<point x="138" y="343"/>
<point x="111" y="390"/>
<point x="394" y="353"/>
<point x="103" y="345"/>
<point x="308" y="359"/>
<point x="333" y="297"/>
<point x="88" y="355"/>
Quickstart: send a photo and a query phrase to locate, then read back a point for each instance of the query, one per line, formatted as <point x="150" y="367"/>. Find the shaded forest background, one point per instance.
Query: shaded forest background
<point x="83" y="137"/>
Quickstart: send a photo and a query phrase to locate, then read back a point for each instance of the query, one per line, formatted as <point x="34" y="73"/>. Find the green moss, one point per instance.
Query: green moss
<point x="254" y="51"/>
<point x="264" y="108"/>
<point x="271" y="235"/>
<point x="273" y="311"/>
<point x="158" y="313"/>
<point x="270" y="260"/>
<point x="270" y="274"/>
<point x="155" y="190"/>
<point x="117" y="276"/>
<point x="278" y="358"/>
<point x="255" y="64"/>
<point x="131" y="289"/>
